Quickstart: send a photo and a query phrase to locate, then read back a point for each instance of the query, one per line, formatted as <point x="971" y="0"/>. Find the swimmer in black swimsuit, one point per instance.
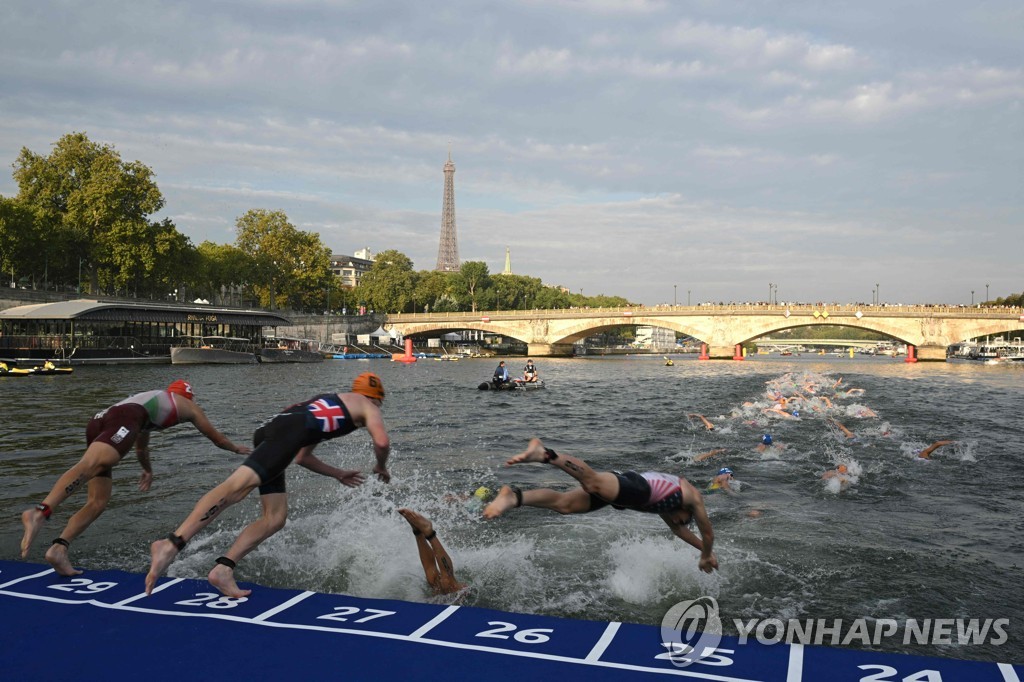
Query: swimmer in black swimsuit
<point x="671" y="497"/>
<point x="290" y="435"/>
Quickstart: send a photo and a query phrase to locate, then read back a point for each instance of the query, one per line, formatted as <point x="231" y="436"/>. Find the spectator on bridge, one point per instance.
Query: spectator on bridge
<point x="501" y="374"/>
<point x="671" y="497"/>
<point x="530" y="372"/>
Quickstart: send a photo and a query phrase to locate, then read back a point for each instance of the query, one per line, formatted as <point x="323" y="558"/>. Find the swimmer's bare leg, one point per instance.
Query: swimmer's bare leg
<point x="32" y="520"/>
<point x="100" y="488"/>
<point x="572" y="502"/>
<point x="234" y="488"/>
<point x="602" y="483"/>
<point x="57" y="556"/>
<point x="98" y="457"/>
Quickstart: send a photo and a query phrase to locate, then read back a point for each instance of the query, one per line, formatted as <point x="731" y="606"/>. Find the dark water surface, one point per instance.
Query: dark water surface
<point x="910" y="539"/>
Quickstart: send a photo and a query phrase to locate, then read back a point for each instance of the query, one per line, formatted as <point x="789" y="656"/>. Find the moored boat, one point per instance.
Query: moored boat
<point x="284" y="349"/>
<point x="213" y="350"/>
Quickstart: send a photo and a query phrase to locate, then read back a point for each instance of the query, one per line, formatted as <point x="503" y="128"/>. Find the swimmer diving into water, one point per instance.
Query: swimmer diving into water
<point x="671" y="497"/>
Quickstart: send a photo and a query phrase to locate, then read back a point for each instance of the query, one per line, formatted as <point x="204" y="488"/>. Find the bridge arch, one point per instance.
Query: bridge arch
<point x="930" y="329"/>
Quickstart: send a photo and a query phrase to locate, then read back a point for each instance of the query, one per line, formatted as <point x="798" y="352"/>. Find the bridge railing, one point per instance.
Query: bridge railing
<point x="887" y="310"/>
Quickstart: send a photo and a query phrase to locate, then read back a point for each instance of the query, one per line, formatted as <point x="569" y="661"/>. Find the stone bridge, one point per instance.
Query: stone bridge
<point x="927" y="330"/>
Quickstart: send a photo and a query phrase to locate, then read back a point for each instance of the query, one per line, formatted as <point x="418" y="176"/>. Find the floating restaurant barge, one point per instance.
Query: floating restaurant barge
<point x="105" y="332"/>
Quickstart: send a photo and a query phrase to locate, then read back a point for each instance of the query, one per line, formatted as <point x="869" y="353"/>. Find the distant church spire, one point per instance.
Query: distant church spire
<point x="508" y="262"/>
<point x="448" y="249"/>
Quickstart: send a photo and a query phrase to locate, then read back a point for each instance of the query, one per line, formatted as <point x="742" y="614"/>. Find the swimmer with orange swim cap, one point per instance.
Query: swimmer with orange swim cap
<point x="289" y="436"/>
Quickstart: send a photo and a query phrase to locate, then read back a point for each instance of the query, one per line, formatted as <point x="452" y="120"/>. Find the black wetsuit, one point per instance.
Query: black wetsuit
<point x="278" y="441"/>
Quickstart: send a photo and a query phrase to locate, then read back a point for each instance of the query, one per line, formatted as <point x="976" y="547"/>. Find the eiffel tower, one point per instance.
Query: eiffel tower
<point x="448" y="250"/>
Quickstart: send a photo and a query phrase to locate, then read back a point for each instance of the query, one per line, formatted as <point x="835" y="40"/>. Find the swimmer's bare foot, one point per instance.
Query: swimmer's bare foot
<point x="223" y="578"/>
<point x="534" y="452"/>
<point x="57" y="556"/>
<point x="418" y="521"/>
<point x="505" y="500"/>
<point x="33" y="520"/>
<point x="162" y="553"/>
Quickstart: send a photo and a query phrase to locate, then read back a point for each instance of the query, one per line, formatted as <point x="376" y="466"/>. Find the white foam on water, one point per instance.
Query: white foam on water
<point x="650" y="570"/>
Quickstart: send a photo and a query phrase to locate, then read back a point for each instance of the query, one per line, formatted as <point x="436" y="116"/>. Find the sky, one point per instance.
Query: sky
<point x="666" y="152"/>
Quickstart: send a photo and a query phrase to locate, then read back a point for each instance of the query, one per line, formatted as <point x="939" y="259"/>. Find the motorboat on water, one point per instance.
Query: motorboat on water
<point x="213" y="350"/>
<point x="513" y="385"/>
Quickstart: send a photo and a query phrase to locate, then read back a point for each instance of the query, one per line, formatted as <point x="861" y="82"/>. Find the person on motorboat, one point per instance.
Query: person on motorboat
<point x="288" y="437"/>
<point x="671" y="497"/>
<point x="110" y="435"/>
<point x="530" y="372"/>
<point x="501" y="375"/>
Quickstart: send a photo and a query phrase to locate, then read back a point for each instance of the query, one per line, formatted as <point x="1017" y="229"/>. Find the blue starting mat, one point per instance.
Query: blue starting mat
<point x="102" y="626"/>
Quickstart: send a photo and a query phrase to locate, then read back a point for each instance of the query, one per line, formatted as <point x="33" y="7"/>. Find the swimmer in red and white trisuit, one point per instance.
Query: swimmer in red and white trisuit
<point x="671" y="497"/>
<point x="110" y="434"/>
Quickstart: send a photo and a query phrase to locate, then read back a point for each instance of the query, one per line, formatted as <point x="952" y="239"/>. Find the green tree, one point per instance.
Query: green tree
<point x="84" y="190"/>
<point x="515" y="292"/>
<point x="288" y="266"/>
<point x="389" y="286"/>
<point x="473" y="279"/>
<point x="19" y="238"/>
<point x="434" y="290"/>
<point x="551" y="298"/>
<point x="225" y="268"/>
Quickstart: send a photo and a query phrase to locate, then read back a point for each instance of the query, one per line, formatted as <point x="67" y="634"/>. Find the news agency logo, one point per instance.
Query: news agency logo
<point x="691" y="631"/>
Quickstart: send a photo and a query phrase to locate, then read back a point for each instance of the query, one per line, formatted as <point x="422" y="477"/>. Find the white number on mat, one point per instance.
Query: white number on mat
<point x="680" y="653"/>
<point x="88" y="586"/>
<point x="212" y="600"/>
<point x="343" y="612"/>
<point x="885" y="673"/>
<point x="530" y="636"/>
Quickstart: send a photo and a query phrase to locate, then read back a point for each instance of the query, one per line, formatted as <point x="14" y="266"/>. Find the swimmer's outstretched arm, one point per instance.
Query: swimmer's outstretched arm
<point x="846" y="432"/>
<point x="707" y="423"/>
<point x="926" y="453"/>
<point x="704" y="455"/>
<point x="708" y="561"/>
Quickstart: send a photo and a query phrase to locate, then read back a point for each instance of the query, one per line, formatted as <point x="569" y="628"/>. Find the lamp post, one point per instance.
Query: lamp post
<point x="986" y="293"/>
<point x="972" y="297"/>
<point x="878" y="294"/>
<point x="687" y="297"/>
<point x="675" y="300"/>
<point x="776" y="286"/>
<point x="770" y="285"/>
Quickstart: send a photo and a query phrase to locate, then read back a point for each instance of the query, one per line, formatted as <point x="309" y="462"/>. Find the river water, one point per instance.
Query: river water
<point x="908" y="539"/>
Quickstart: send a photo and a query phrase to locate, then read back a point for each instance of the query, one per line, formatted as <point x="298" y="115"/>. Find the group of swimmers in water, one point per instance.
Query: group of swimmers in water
<point x="798" y="397"/>
<point x="292" y="435"/>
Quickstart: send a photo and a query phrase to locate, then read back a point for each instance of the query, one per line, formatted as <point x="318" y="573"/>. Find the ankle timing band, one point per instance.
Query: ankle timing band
<point x="177" y="541"/>
<point x="224" y="561"/>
